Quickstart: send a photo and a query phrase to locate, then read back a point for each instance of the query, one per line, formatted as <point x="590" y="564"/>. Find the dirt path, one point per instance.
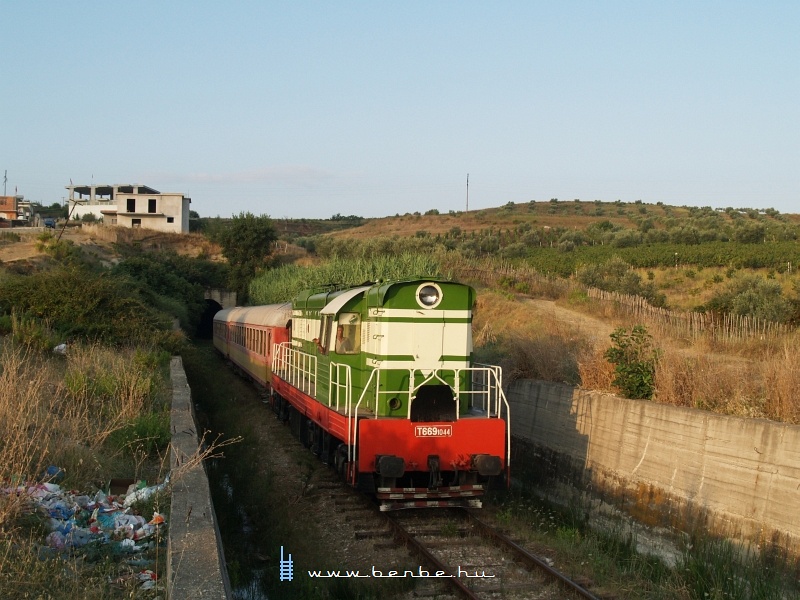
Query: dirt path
<point x="593" y="327"/>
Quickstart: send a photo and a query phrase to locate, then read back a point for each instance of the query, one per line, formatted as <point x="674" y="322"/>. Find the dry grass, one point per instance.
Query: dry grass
<point x="57" y="410"/>
<point x="61" y="412"/>
<point x="545" y="348"/>
<point x="757" y="378"/>
<point x="25" y="431"/>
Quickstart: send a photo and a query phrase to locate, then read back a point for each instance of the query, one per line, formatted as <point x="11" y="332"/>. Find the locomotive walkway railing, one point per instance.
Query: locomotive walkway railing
<point x="296" y="367"/>
<point x="299" y="369"/>
<point x="487" y="392"/>
<point x="341" y="385"/>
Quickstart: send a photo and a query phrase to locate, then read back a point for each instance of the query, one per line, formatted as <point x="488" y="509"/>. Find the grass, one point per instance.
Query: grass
<point x="65" y="411"/>
<point x="608" y="558"/>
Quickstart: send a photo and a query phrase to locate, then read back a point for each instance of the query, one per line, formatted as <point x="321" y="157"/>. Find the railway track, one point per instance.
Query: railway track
<point x="476" y="560"/>
<point x="462" y="556"/>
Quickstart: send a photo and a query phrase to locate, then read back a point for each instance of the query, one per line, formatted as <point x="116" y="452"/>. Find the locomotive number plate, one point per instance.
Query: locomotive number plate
<point x="433" y="431"/>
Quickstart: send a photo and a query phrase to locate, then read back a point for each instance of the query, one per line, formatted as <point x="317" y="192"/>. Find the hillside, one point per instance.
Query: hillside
<point x="561" y="215"/>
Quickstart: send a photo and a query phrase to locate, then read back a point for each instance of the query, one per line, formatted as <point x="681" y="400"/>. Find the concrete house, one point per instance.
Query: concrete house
<point x="9" y="207"/>
<point x="131" y="205"/>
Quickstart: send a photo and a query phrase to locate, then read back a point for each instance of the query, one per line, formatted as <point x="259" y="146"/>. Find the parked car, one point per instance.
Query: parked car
<point x="51" y="223"/>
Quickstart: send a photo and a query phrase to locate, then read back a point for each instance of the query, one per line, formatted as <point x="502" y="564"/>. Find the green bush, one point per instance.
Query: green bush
<point x="634" y="360"/>
<point x="79" y="303"/>
<point x="753" y="296"/>
<point x="33" y="333"/>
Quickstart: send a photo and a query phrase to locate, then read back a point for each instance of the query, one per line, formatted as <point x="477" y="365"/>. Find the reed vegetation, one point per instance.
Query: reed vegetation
<point x="283" y="283"/>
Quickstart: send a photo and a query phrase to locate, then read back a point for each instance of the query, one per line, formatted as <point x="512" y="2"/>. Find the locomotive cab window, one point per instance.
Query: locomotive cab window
<point x="348" y="334"/>
<point x="323" y="342"/>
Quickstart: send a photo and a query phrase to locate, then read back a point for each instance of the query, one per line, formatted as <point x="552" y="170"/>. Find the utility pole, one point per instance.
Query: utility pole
<point x="467" y="192"/>
<point x="5" y="179"/>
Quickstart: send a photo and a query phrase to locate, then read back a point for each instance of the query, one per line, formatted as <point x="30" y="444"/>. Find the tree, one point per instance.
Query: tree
<point x="246" y="243"/>
<point x="753" y="296"/>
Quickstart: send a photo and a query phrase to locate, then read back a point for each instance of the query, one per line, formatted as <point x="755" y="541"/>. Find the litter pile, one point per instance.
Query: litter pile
<point x="103" y="522"/>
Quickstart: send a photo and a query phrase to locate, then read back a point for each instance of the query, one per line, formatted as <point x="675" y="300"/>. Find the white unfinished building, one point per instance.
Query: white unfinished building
<point x="131" y="205"/>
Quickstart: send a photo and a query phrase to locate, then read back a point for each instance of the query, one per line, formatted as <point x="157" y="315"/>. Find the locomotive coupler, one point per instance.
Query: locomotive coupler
<point x="435" y="472"/>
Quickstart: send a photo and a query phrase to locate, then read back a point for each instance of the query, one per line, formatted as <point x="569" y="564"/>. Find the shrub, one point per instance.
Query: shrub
<point x="634" y="361"/>
<point x="78" y="303"/>
<point x="5" y="324"/>
<point x="753" y="296"/>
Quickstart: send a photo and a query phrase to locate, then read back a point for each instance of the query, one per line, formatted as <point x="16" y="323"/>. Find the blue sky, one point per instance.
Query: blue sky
<point x="307" y="109"/>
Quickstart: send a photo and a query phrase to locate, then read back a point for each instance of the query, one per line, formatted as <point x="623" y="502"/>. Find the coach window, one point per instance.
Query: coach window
<point x="348" y="334"/>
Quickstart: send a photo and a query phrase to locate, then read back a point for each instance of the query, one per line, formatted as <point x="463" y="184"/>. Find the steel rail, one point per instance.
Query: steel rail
<point x="409" y="538"/>
<point x="531" y="558"/>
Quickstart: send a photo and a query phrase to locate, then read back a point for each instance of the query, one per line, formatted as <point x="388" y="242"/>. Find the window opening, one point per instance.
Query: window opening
<point x="348" y="334"/>
<point x="325" y="334"/>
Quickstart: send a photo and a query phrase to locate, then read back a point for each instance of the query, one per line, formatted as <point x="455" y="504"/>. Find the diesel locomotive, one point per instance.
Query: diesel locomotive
<point x="379" y="381"/>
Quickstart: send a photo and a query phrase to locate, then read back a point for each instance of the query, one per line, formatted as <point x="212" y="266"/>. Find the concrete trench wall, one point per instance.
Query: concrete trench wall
<point x="196" y="561"/>
<point x="664" y="465"/>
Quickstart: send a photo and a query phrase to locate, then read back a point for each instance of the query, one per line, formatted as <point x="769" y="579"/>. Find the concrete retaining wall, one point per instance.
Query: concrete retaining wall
<point x="665" y="465"/>
<point x="196" y="563"/>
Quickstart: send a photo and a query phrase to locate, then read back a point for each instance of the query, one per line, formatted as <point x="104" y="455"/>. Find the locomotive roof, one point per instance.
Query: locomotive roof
<point x="330" y="299"/>
<point x="273" y="315"/>
<point x="335" y="305"/>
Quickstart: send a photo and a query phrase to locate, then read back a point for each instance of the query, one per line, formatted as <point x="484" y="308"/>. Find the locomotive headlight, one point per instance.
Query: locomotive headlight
<point x="429" y="295"/>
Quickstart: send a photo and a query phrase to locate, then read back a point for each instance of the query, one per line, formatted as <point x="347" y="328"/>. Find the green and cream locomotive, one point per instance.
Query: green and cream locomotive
<point x="380" y="381"/>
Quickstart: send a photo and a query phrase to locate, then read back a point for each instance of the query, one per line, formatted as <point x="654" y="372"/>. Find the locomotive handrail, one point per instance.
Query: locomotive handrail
<point x="334" y="377"/>
<point x="352" y="424"/>
<point x="496" y="373"/>
<point x="296" y="367"/>
<point x="490" y="387"/>
<point x="492" y="392"/>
